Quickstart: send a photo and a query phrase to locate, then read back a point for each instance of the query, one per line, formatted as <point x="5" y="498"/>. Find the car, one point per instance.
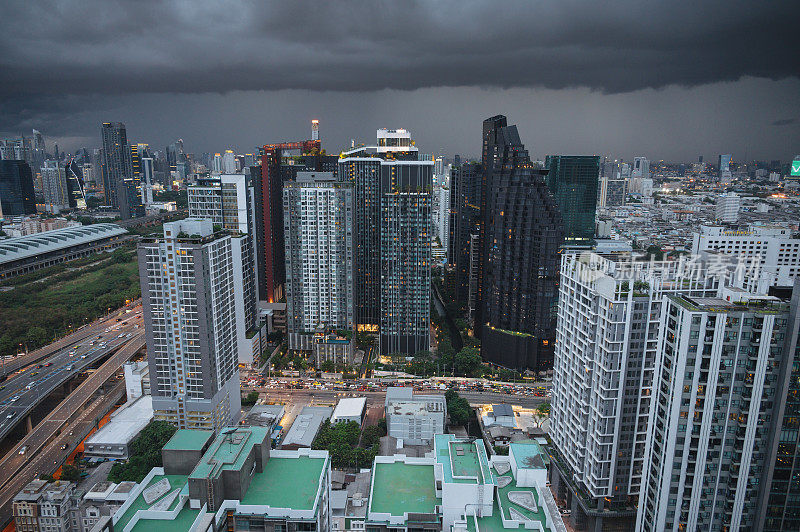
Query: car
<point x="11" y="415"/>
<point x="35" y="373"/>
<point x="23" y="449"/>
<point x="63" y="446"/>
<point x="48" y="364"/>
<point x="15" y="398"/>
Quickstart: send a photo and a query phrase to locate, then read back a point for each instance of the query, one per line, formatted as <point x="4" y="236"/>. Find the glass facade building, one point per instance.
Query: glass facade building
<point x="573" y="180"/>
<point x="17" y="197"/>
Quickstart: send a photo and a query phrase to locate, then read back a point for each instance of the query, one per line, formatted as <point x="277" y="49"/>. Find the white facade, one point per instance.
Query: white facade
<point x="414" y="419"/>
<point x="349" y="409"/>
<point x="641" y="168"/>
<point x="137" y="379"/>
<point x="318" y="232"/>
<point x="609" y="316"/>
<point x="147" y="180"/>
<point x="229" y="162"/>
<point x="727" y="208"/>
<point x="395" y="140"/>
<point x="776" y="248"/>
<point x="712" y="397"/>
<point x="443" y="216"/>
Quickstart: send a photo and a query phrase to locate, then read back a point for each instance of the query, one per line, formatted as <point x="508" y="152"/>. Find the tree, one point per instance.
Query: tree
<point x="251" y="398"/>
<point x="468" y="362"/>
<point x="145" y="453"/>
<point x="328" y="366"/>
<point x="458" y="408"/>
<point x="70" y="472"/>
<point x="655" y="252"/>
<point x="544" y="408"/>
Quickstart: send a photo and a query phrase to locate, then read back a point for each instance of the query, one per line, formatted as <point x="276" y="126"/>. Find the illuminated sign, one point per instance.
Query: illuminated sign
<point x="795" y="169"/>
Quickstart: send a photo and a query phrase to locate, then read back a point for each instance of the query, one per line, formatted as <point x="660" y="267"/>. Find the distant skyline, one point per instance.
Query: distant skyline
<point x="668" y="81"/>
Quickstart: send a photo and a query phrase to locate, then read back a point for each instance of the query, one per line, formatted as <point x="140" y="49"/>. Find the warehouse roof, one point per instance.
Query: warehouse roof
<point x="349" y="407"/>
<point x="125" y="424"/>
<point x="12" y="249"/>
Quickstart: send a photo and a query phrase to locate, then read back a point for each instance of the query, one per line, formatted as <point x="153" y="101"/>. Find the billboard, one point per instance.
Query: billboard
<point x="794" y="169"/>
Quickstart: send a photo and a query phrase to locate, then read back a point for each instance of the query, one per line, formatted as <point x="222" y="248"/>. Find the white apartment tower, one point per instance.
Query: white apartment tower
<point x="713" y="398"/>
<point x="229" y="203"/>
<point x="189" y="291"/>
<point x="609" y="314"/>
<point x="443" y="216"/>
<point x="727" y="208"/>
<point x="318" y="231"/>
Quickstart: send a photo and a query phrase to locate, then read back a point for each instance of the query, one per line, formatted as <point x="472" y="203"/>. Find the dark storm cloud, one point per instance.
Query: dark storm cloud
<point x="120" y="47"/>
<point x="785" y="122"/>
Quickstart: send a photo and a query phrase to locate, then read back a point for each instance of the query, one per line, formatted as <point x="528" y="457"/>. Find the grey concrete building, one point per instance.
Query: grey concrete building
<point x="188" y="295"/>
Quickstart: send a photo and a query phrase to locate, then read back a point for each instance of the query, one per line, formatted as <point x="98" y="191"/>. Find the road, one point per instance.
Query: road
<point x="21" y="361"/>
<point x="49" y="426"/>
<point x="52" y="455"/>
<point x="22" y="391"/>
<point x="330" y="396"/>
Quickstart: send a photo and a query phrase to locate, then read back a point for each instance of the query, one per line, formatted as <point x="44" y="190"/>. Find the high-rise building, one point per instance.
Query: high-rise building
<point x="189" y="292"/>
<point x="727" y="208"/>
<point x="75" y="185"/>
<point x="228" y="201"/>
<point x="612" y="192"/>
<point x="609" y="313"/>
<point x="521" y="241"/>
<point x="779" y="505"/>
<point x="17" y="197"/>
<point x="229" y="162"/>
<point x="393" y="235"/>
<point x="641" y="168"/>
<point x="216" y="164"/>
<point x="713" y="407"/>
<point x="573" y="180"/>
<point x="116" y="166"/>
<point x="443" y="215"/>
<point x="465" y="202"/>
<point x="147" y="178"/>
<point x="54" y="185"/>
<point x="318" y="232"/>
<point x="724" y="167"/>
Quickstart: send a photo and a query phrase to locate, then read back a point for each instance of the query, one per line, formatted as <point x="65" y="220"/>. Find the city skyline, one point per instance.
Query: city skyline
<point x="672" y="82"/>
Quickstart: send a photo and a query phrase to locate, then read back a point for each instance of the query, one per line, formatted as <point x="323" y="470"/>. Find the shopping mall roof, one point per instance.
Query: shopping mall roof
<point x="12" y="249"/>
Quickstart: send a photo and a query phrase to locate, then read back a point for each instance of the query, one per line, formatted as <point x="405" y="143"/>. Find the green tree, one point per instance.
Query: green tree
<point x="70" y="472"/>
<point x="457" y="408"/>
<point x="251" y="399"/>
<point x="544" y="408"/>
<point x="145" y="453"/>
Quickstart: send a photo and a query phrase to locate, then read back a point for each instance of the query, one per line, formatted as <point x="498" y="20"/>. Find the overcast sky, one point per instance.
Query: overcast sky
<point x="670" y="80"/>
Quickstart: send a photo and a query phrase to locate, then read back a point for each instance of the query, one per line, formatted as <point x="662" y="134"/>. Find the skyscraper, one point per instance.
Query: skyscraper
<point x="228" y="201"/>
<point x="465" y="202"/>
<point x="393" y="232"/>
<point x="573" y="180"/>
<point x="75" y="185"/>
<point x="724" y="167"/>
<point x="714" y="397"/>
<point x="116" y="166"/>
<point x="229" y="162"/>
<point x="54" y="185"/>
<point x="318" y="232"/>
<point x="189" y="303"/>
<point x="17" y="197"/>
<point x="609" y="312"/>
<point x="522" y="235"/>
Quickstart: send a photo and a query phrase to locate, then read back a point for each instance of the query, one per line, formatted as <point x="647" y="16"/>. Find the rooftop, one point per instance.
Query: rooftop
<point x="463" y="461"/>
<point x="12" y="249"/>
<point x="125" y="424"/>
<point x="230" y="450"/>
<point x="287" y="483"/>
<point x="189" y="440"/>
<point x="529" y="455"/>
<point x="399" y="488"/>
<point x="175" y="482"/>
<point x="349" y="407"/>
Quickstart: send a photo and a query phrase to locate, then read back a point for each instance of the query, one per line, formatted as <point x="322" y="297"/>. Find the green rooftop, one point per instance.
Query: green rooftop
<point x="229" y="451"/>
<point x="529" y="455"/>
<point x="175" y="482"/>
<point x="181" y="523"/>
<point x="464" y="462"/>
<point x="505" y="504"/>
<point x="399" y="488"/>
<point x="287" y="483"/>
<point x="189" y="440"/>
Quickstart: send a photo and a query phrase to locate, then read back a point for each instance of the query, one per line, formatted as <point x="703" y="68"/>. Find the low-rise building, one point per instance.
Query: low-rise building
<point x="306" y="427"/>
<point x="500" y="415"/>
<point x="415" y="419"/>
<point x="350" y="409"/>
<point x="113" y="440"/>
<point x="137" y="379"/>
<point x="43" y="506"/>
<point x="237" y="484"/>
<point x="333" y="348"/>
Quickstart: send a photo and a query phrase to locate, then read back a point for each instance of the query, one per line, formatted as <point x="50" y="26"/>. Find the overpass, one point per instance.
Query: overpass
<point x="24" y="391"/>
<point x="10" y="366"/>
<point x="66" y="425"/>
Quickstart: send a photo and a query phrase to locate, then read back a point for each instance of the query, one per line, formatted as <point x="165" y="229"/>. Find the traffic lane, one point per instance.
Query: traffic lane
<point x="50" y="458"/>
<point x="56" y="419"/>
<point x="79" y="357"/>
<point x="83" y="332"/>
<point x="474" y="398"/>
